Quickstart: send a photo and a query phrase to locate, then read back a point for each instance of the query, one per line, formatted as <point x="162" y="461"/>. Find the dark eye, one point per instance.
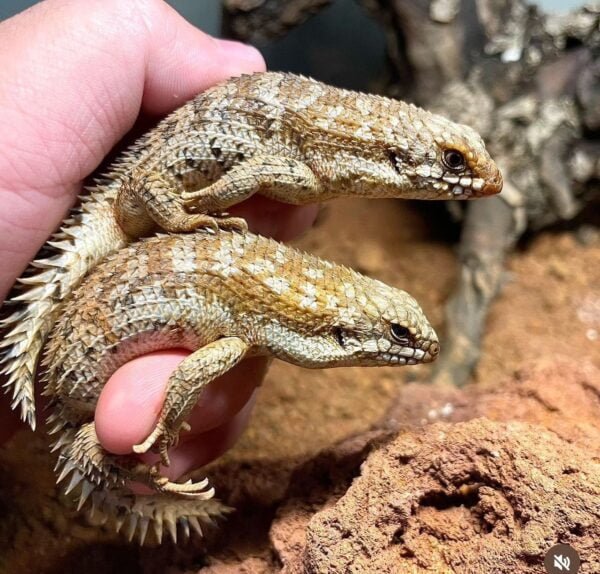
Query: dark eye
<point x="395" y="159"/>
<point x="399" y="332"/>
<point x="454" y="160"/>
<point x="339" y="335"/>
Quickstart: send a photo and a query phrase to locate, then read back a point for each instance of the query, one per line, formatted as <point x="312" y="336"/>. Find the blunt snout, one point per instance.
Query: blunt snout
<point x="493" y="183"/>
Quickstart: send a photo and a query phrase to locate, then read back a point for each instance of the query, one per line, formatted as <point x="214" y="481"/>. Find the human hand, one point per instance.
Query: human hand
<point x="74" y="78"/>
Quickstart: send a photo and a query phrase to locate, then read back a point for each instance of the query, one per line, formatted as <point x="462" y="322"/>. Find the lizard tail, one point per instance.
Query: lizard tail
<point x="134" y="515"/>
<point x="101" y="482"/>
<point x="88" y="235"/>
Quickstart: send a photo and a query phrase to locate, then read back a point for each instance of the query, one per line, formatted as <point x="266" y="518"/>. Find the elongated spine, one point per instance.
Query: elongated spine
<point x="87" y="236"/>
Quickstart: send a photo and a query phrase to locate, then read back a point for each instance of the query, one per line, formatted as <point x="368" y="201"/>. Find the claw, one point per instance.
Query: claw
<point x="189" y="197"/>
<point x="212" y="225"/>
<point x="153" y="437"/>
<point x="188" y="489"/>
<point x="216" y="221"/>
<point x="163" y="439"/>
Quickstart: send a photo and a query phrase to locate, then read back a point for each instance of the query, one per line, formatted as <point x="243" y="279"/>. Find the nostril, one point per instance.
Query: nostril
<point x="498" y="181"/>
<point x="434" y="349"/>
<point x="493" y="187"/>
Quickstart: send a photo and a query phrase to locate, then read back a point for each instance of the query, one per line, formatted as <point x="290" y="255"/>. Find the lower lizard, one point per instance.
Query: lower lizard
<point x="276" y="134"/>
<point x="225" y="296"/>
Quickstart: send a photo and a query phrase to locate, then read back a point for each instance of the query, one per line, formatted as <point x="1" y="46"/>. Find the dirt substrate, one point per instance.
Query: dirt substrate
<point x="483" y="479"/>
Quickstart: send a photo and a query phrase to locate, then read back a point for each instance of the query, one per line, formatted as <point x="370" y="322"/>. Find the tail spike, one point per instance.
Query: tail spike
<point x="66" y="470"/>
<point x="157" y="525"/>
<point x="171" y="528"/>
<point x="195" y="524"/>
<point x="86" y="489"/>
<point x="75" y="480"/>
<point x="143" y="524"/>
<point x="131" y="526"/>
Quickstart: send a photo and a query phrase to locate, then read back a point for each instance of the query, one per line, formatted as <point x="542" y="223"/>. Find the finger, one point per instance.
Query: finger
<point x="275" y="219"/>
<point x="131" y="400"/>
<point x="197" y="450"/>
<point x="74" y="76"/>
<point x="190" y="62"/>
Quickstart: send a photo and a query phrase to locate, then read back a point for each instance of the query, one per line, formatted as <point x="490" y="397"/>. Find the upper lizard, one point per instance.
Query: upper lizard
<point x="284" y="136"/>
<point x="224" y="296"/>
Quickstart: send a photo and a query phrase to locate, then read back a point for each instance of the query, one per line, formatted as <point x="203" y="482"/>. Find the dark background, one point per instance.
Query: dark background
<point x="340" y="45"/>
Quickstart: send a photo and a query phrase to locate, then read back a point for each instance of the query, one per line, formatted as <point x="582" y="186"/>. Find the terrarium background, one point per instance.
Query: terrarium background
<point x="341" y="44"/>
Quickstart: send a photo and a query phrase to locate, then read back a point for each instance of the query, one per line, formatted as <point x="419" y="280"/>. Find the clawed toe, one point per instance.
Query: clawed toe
<point x="190" y="197"/>
<point x="188" y="489"/>
<point x="163" y="441"/>
<point x="233" y="224"/>
<point x="145" y="446"/>
<point x="216" y="220"/>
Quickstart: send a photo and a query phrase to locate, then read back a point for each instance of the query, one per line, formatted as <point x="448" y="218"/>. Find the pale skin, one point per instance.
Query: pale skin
<point x="75" y="77"/>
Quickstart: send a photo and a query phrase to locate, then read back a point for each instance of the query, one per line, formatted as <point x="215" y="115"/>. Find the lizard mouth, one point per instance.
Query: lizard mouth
<point x="466" y="187"/>
<point x="411" y="356"/>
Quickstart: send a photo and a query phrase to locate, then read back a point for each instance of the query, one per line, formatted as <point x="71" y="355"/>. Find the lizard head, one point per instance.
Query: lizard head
<point x="414" y="154"/>
<point x="386" y="326"/>
<point x="355" y="321"/>
<point x="445" y="160"/>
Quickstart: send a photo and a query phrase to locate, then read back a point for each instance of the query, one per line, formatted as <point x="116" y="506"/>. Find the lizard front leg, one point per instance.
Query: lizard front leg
<point x="147" y="201"/>
<point x="284" y="179"/>
<point x="184" y="387"/>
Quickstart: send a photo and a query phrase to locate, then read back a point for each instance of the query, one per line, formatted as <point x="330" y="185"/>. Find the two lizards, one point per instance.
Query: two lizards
<point x="276" y="134"/>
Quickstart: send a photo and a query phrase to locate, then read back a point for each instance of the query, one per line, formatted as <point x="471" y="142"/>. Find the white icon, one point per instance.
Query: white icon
<point x="562" y="562"/>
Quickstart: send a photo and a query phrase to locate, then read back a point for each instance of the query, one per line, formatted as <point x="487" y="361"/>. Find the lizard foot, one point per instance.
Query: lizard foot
<point x="163" y="438"/>
<point x="229" y="223"/>
<point x="220" y="219"/>
<point x="195" y="200"/>
<point x="216" y="221"/>
<point x="188" y="489"/>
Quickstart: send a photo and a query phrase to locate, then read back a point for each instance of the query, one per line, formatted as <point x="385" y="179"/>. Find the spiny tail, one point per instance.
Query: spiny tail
<point x="90" y="233"/>
<point x="108" y="499"/>
<point x="134" y="514"/>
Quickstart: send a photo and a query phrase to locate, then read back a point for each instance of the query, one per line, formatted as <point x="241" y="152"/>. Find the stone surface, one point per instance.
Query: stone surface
<point x="480" y="496"/>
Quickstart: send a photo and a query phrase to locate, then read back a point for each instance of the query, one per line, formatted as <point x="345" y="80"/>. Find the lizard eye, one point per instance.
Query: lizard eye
<point x="395" y="160"/>
<point x="454" y="160"/>
<point x="400" y="333"/>
<point x="339" y="336"/>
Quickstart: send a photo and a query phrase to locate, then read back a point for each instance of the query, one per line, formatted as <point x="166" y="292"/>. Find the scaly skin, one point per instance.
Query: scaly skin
<point x="224" y="296"/>
<point x="283" y="136"/>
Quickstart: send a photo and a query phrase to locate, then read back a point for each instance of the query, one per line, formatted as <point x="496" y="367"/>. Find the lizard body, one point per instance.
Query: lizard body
<point x="225" y="296"/>
<point x="284" y="136"/>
